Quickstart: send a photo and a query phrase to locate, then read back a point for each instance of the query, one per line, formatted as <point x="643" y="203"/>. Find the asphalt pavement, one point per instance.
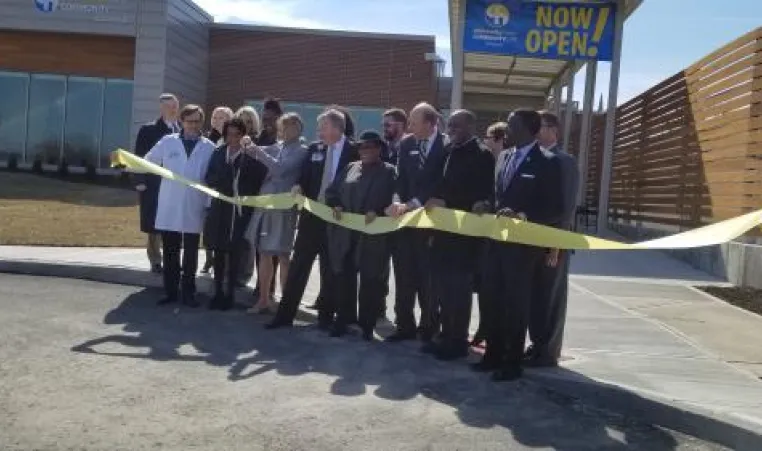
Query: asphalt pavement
<point x="93" y="366"/>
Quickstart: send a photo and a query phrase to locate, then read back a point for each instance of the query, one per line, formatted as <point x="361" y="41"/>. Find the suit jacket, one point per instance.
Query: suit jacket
<point x="221" y="176"/>
<point x="312" y="175"/>
<point x="536" y="188"/>
<point x="570" y="182"/>
<point x="148" y="136"/>
<point x="360" y="189"/>
<point x="414" y="182"/>
<point x="466" y="180"/>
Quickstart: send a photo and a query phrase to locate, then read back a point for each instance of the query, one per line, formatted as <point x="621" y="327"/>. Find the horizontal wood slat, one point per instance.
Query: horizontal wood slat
<point x="688" y="151"/>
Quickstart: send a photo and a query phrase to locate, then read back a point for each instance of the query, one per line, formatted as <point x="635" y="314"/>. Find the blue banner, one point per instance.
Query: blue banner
<point x="567" y="31"/>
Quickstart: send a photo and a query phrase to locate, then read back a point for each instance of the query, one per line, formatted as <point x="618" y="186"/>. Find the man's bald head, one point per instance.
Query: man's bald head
<point x="423" y="119"/>
<point x="460" y="126"/>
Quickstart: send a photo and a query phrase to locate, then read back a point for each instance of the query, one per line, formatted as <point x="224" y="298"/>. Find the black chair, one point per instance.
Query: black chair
<point x="587" y="214"/>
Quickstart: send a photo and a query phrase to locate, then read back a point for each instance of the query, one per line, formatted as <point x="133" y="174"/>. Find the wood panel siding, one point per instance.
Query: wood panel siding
<point x="688" y="151"/>
<point x="67" y="53"/>
<point x="314" y="67"/>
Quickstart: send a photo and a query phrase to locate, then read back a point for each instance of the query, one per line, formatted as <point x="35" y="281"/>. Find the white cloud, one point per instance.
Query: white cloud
<point x="278" y="13"/>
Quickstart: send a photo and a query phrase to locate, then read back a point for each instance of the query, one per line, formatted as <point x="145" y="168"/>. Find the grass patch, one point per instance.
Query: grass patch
<point x="747" y="298"/>
<point x="39" y="210"/>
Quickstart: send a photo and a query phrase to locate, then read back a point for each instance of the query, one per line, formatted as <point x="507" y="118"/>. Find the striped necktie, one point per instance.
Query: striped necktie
<point x="510" y="169"/>
<point x="423" y="148"/>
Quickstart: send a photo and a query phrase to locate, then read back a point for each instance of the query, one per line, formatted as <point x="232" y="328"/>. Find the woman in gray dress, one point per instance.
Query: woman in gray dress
<point x="271" y="232"/>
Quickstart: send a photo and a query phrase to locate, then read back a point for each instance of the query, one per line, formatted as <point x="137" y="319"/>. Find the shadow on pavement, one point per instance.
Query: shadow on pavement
<point x="536" y="415"/>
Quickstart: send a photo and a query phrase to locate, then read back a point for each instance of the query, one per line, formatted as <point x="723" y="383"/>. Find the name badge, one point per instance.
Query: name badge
<point x="414" y="152"/>
<point x="527" y="176"/>
<point x="317" y="157"/>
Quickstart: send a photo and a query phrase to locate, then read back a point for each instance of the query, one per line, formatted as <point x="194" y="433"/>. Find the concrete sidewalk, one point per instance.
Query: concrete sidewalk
<point x="640" y="339"/>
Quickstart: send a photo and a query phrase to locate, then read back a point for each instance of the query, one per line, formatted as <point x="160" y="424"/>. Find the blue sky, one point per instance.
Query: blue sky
<point x="661" y="38"/>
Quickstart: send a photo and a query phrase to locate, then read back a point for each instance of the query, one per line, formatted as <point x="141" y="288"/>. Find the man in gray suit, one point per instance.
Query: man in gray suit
<point x="548" y="309"/>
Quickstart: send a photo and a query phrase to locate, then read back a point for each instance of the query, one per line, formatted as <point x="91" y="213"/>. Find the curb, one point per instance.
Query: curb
<point x="718" y="427"/>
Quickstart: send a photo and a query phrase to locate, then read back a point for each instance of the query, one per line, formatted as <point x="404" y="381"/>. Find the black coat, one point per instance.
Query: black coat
<point x="148" y="136"/>
<point x="221" y="217"/>
<point x="412" y="180"/>
<point x="466" y="179"/>
<point x="312" y="175"/>
<point x="535" y="190"/>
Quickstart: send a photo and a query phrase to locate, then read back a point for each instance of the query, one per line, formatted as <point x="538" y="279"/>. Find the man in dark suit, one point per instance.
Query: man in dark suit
<point x="466" y="185"/>
<point x="548" y="309"/>
<point x="421" y="161"/>
<point x="326" y="160"/>
<point x="528" y="187"/>
<point x="147" y="185"/>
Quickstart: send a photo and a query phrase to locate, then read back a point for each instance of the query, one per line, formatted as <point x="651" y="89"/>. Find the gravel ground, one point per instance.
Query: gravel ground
<point x="92" y="366"/>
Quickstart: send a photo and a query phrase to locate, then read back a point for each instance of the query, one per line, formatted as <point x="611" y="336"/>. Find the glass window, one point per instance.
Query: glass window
<point x="46" y="118"/>
<point x="117" y="118"/>
<point x="14" y="89"/>
<point x="82" y="133"/>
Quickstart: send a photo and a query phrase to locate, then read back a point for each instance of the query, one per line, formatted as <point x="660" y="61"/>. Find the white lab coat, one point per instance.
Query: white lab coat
<point x="181" y="208"/>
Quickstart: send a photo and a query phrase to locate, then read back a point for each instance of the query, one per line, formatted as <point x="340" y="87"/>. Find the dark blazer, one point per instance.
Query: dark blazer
<point x="148" y="136"/>
<point x="536" y="188"/>
<point x="312" y="170"/>
<point x="312" y="174"/>
<point x="360" y="189"/>
<point x="414" y="181"/>
<point x="466" y="179"/>
<point x="222" y="215"/>
<point x="570" y="181"/>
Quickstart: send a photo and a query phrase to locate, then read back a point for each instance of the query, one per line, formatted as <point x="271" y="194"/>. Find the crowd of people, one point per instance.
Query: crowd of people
<point x="419" y="160"/>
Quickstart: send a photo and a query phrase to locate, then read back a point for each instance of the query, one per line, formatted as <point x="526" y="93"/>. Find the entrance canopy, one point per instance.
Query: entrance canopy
<point x="498" y="83"/>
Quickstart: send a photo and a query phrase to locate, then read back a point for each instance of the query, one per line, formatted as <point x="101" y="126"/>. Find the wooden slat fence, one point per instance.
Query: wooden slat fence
<point x="688" y="151"/>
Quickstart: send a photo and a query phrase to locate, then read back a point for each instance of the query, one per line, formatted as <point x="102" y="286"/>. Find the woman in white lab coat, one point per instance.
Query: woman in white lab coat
<point x="181" y="209"/>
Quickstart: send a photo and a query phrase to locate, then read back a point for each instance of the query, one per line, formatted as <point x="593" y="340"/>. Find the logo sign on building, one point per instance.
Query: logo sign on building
<point x="568" y="31"/>
<point x="80" y="6"/>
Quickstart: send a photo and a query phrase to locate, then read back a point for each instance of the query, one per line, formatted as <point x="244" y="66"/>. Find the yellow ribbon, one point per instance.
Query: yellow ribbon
<point x="459" y="222"/>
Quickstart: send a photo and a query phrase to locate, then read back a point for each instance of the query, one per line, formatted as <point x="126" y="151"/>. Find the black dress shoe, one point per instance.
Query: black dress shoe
<point x="430" y="347"/>
<point x="156" y="269"/>
<point x="324" y="324"/>
<point x="401" y="335"/>
<point x="216" y="303"/>
<point x="167" y="300"/>
<point x="507" y="373"/>
<point x="277" y="324"/>
<point x="190" y="301"/>
<point x="338" y="331"/>
<point x="485" y="365"/>
<point x="539" y="361"/>
<point x="451" y="352"/>
<point x="367" y="334"/>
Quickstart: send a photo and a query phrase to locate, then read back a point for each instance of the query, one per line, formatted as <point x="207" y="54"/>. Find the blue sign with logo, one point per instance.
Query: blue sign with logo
<point x="567" y="31"/>
<point x="46" y="6"/>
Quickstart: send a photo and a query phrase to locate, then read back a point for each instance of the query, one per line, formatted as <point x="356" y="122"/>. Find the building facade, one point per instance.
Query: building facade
<point x="78" y="77"/>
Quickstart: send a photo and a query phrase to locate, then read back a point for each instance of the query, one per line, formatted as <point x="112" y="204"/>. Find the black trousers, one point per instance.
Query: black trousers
<point x="511" y="286"/>
<point x="173" y="243"/>
<point x="548" y="310"/>
<point x="411" y="255"/>
<point x="227" y="260"/>
<point x="309" y="244"/>
<point x="453" y="291"/>
<point x="347" y="301"/>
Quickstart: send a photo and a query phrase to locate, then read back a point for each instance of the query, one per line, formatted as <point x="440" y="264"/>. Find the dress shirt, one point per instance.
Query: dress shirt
<point x="334" y="153"/>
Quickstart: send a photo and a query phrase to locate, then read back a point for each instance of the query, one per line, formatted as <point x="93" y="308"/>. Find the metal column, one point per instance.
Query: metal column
<point x="584" y="131"/>
<point x="456" y="100"/>
<point x="557" y="91"/>
<point x="568" y="109"/>
<point x="608" y="138"/>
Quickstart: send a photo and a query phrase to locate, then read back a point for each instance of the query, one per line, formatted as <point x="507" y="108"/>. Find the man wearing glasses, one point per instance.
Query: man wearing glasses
<point x="181" y="209"/>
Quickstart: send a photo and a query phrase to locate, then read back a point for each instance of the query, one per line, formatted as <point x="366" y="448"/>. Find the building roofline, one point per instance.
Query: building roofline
<point x="317" y="32"/>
